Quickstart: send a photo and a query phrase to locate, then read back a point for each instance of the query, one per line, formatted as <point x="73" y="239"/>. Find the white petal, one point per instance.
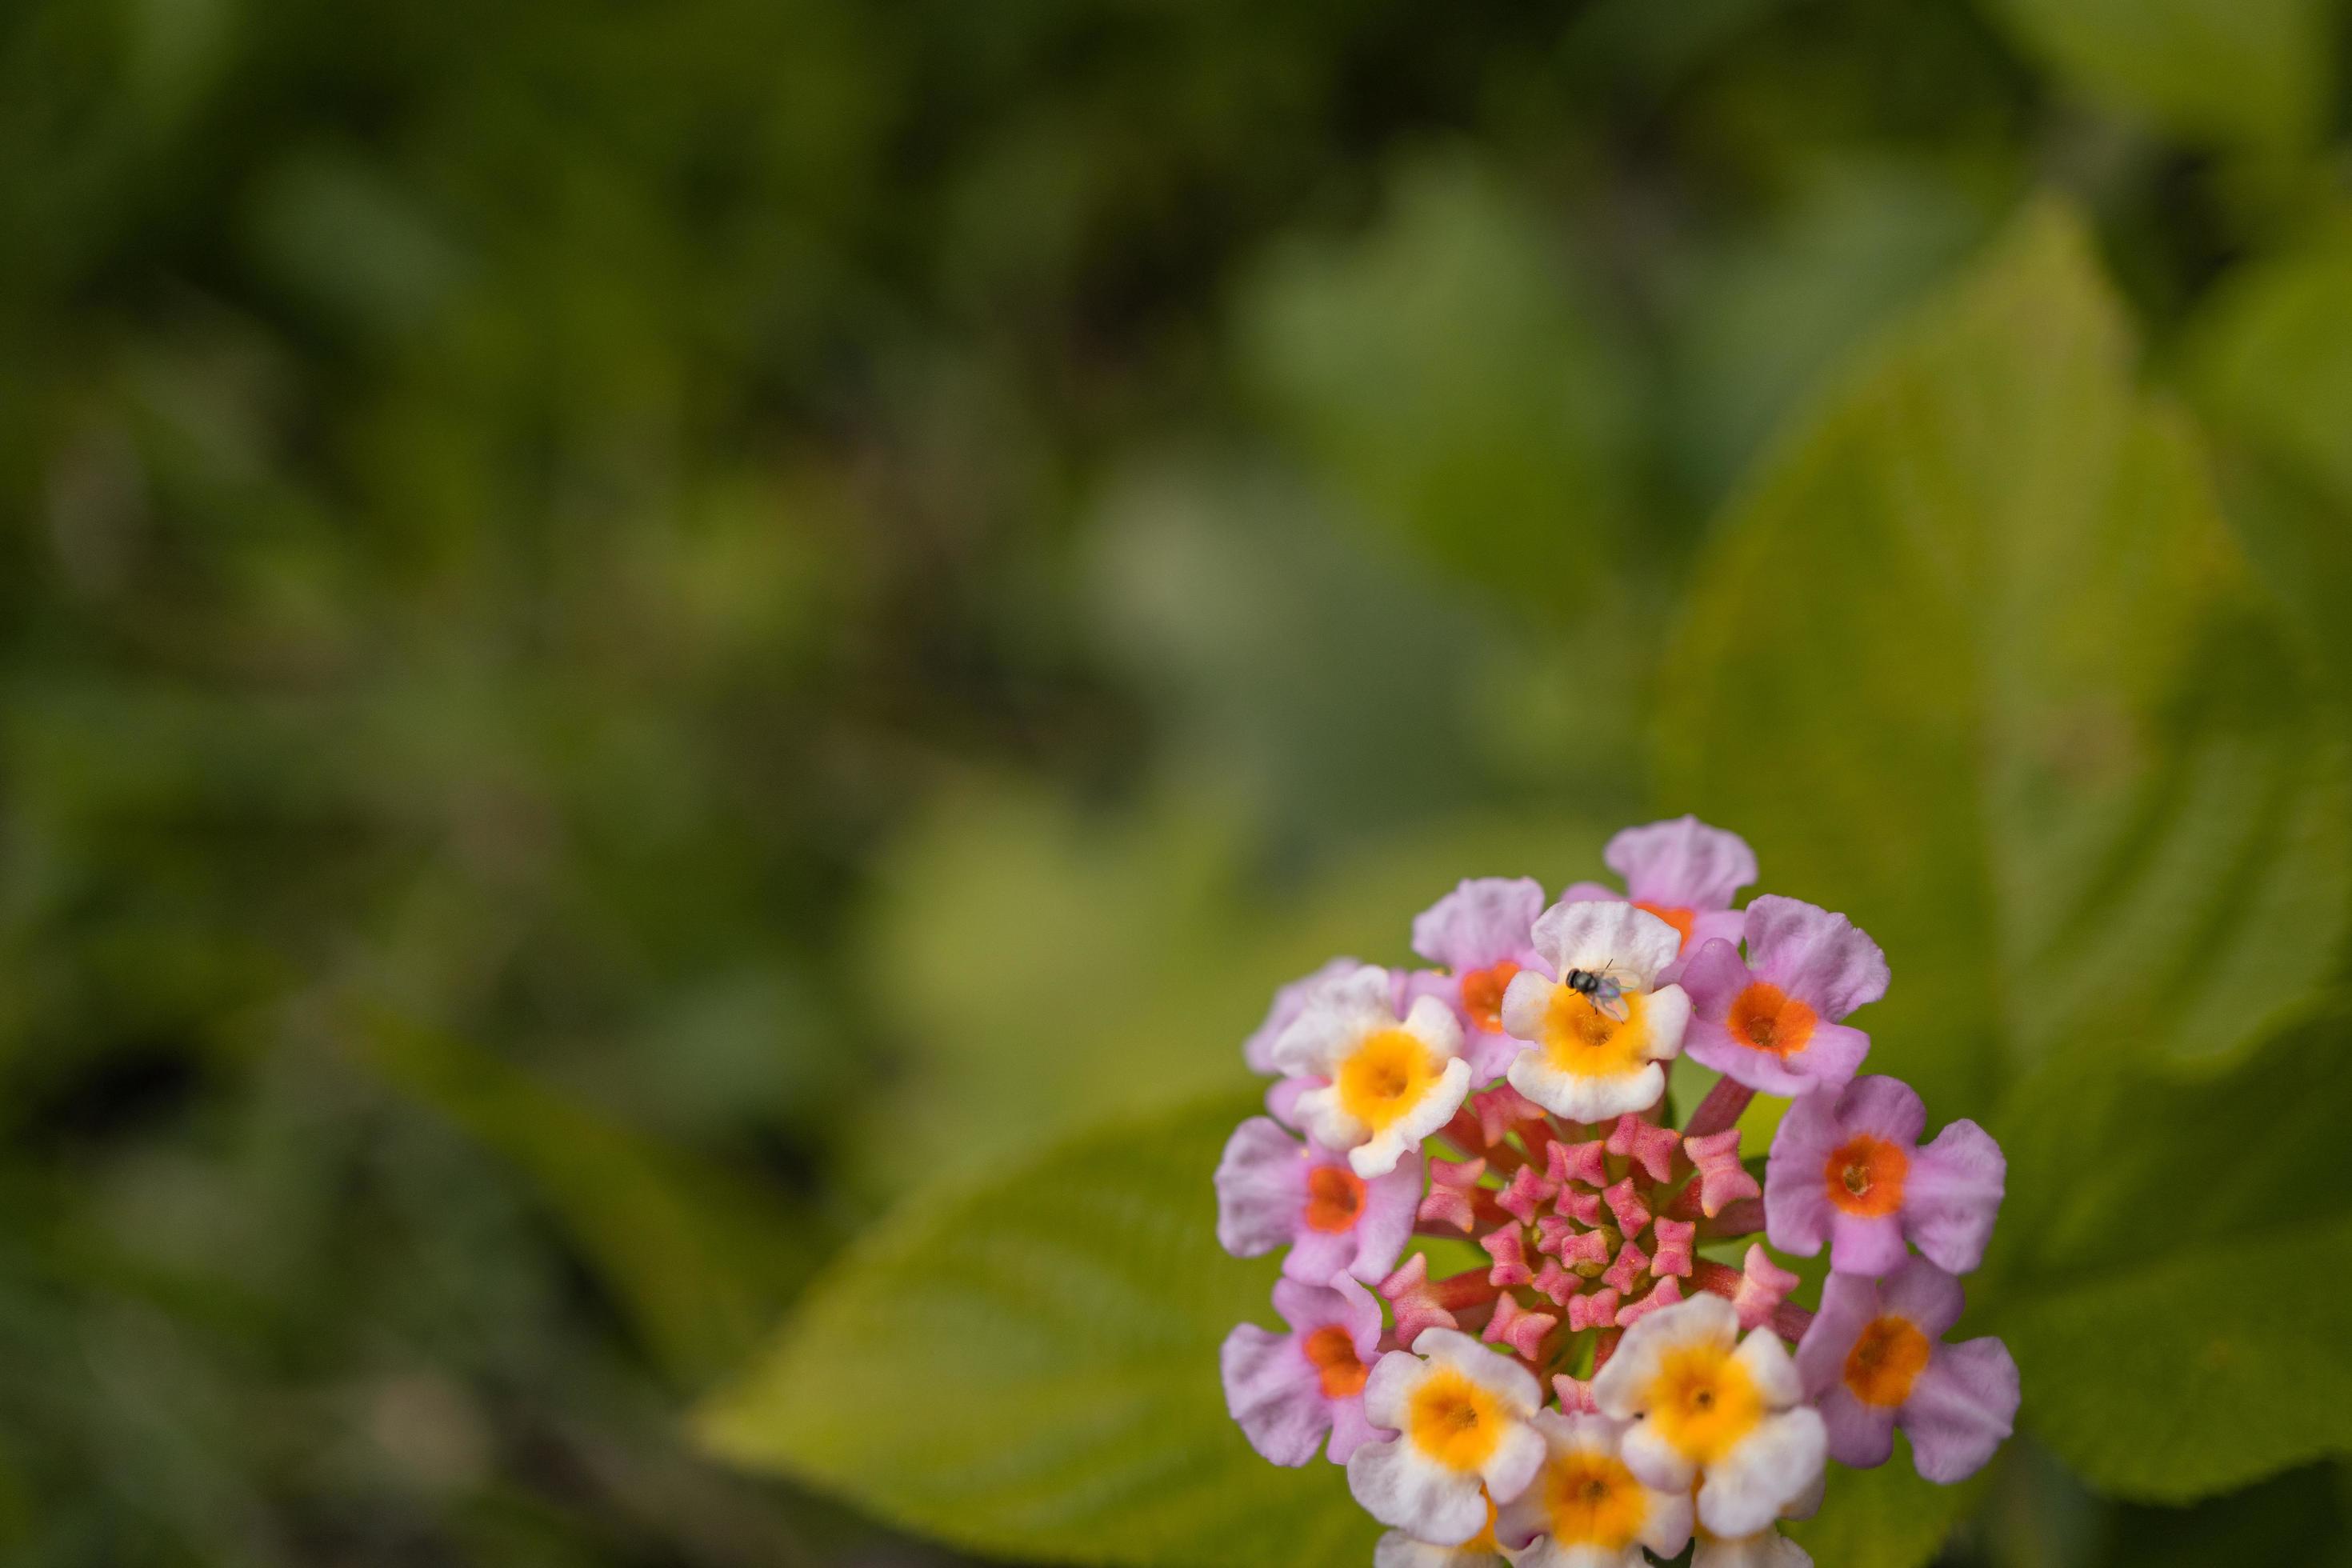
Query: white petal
<point x="1400" y="1487"/>
<point x="1434" y="1025"/>
<point x="1581" y="1097"/>
<point x="1768" y="1362"/>
<point x="1324" y="1119"/>
<point x="1665" y="1011"/>
<point x="1334" y="1019"/>
<point x="1654" y="1461"/>
<point x="1629" y="944"/>
<point x="1764" y="1472"/>
<point x="1526" y="1000"/>
<point x="1393" y="1378"/>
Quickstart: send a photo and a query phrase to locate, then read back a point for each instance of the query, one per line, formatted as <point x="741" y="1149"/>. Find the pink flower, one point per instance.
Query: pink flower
<point x="1273" y="1191"/>
<point x="1480" y="932"/>
<point x="1683" y="872"/>
<point x="1287" y="1389"/>
<point x="1846" y="1168"/>
<point x="1772" y="1023"/>
<point x="1873" y="1360"/>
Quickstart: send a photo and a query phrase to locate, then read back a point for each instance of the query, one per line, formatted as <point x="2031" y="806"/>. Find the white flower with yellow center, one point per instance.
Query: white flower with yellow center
<point x="1461" y="1414"/>
<point x="1596" y="1032"/>
<point x="1711" y="1407"/>
<point x="1390" y="1082"/>
<point x="1586" y="1509"/>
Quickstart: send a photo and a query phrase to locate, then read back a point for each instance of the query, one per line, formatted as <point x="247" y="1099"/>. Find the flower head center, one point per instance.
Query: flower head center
<point x="1455" y="1421"/>
<point x="1767" y="1018"/>
<point x="1386" y="1075"/>
<point x="1864" y="1177"/>
<point x="1337" y="1365"/>
<point x="1335" y="1198"/>
<point x="1886" y="1359"/>
<point x="1703" y="1402"/>
<point x="1593" y="1500"/>
<point x="1482" y="994"/>
<point x="1580" y="1038"/>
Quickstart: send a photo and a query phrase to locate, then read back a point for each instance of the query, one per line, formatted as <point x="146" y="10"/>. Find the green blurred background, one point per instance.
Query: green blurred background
<point x="627" y="631"/>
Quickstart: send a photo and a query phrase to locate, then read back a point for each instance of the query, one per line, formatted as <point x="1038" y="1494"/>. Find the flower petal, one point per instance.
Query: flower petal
<point x="1745" y="1489"/>
<point x="1682" y="864"/>
<point x="1849" y="1305"/>
<point x="1273" y="1394"/>
<point x="1885" y="1107"/>
<point x="1796" y="1207"/>
<point x="1952" y="1195"/>
<point x="1865" y="1245"/>
<point x="1861" y="1435"/>
<point x="1961" y="1409"/>
<point x="1261" y="1187"/>
<point x="1337" y="1014"/>
<point x="1288" y="1002"/>
<point x="1613" y="938"/>
<point x="1484" y="921"/>
<point x="1928" y="1296"/>
<point x="1399" y="1488"/>
<point x="1815" y="954"/>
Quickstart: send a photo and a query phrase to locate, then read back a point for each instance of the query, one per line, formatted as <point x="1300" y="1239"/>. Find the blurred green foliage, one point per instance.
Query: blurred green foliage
<point x="629" y="633"/>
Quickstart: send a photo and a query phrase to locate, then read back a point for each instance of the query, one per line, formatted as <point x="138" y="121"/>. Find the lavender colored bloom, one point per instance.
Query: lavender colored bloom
<point x="1275" y="1191"/>
<point x="1287" y="1389"/>
<point x="1846" y="1168"/>
<point x="1482" y="932"/>
<point x="1773" y="1022"/>
<point x="1874" y="1361"/>
<point x="1683" y="872"/>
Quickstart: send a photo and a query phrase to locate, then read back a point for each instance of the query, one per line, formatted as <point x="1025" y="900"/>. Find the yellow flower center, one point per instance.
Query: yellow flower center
<point x="1387" y="1075"/>
<point x="1581" y="1039"/>
<point x="1703" y="1401"/>
<point x="1454" y="1421"/>
<point x="1593" y="1500"/>
<point x="1884" y="1361"/>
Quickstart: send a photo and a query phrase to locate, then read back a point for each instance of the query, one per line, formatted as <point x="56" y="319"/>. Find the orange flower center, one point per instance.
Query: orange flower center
<point x="1482" y="994"/>
<point x="1866" y="1176"/>
<point x="1681" y="920"/>
<point x="1770" y="1019"/>
<point x="1884" y="1361"/>
<point x="1335" y="1196"/>
<point x="1333" y="1352"/>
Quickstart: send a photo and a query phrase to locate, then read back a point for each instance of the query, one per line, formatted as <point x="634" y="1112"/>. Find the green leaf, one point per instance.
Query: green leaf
<point x="1027" y="1365"/>
<point x="2179" y="1337"/>
<point x="1978" y="662"/>
<point x="1444" y="371"/>
<point x="2245" y="71"/>
<point x="1886" y="1517"/>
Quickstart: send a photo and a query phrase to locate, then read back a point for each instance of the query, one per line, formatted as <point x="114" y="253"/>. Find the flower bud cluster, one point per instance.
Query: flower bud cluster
<point x="1606" y="1368"/>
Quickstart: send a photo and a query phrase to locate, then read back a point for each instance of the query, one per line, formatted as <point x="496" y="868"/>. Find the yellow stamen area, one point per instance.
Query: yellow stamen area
<point x="1482" y="994"/>
<point x="1703" y="1401"/>
<point x="1884" y="1361"/>
<point x="1866" y="1176"/>
<point x="1386" y="1076"/>
<point x="1454" y="1421"/>
<point x="1581" y="1039"/>
<point x="1593" y="1500"/>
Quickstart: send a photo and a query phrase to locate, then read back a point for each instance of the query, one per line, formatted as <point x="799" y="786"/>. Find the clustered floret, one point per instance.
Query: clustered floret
<point x="1607" y="1379"/>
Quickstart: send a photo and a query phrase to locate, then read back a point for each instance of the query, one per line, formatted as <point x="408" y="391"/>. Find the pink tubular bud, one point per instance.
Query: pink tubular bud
<point x="1519" y="1327"/>
<point x="1626" y="1203"/>
<point x="1632" y="1266"/>
<point x="1451" y="1200"/>
<point x="1525" y="1194"/>
<point x="1500" y="1108"/>
<point x="1575" y="1396"/>
<point x="1647" y="1144"/>
<point x="1585" y="1162"/>
<point x="1721" y="1177"/>
<point x="1578" y="1204"/>
<point x="1763" y="1286"/>
<point x="1422" y="1303"/>
<point x="1508" y="1247"/>
<point x="1669" y="1291"/>
<point x="1674" y="1238"/>
<point x="1558" y="1283"/>
<point x="1596" y="1311"/>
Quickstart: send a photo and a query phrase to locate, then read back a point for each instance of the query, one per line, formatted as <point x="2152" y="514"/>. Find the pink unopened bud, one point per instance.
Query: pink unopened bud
<point x="1422" y="1303"/>
<point x="1632" y="1266"/>
<point x="1502" y="1108"/>
<point x="1721" y="1178"/>
<point x="1585" y="1162"/>
<point x="1647" y="1144"/>
<point x="1763" y="1286"/>
<point x="1669" y="1291"/>
<point x="1626" y="1203"/>
<point x="1558" y="1283"/>
<point x="1449" y="1201"/>
<point x="1596" y="1311"/>
<point x="1508" y="1247"/>
<point x="1520" y="1327"/>
<point x="1575" y="1396"/>
<point x="1525" y="1194"/>
<point x="1579" y="1205"/>
<point x="1673" y="1238"/>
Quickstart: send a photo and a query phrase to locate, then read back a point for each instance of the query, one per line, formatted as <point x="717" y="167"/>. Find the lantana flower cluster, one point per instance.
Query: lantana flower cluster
<point x="1623" y="1369"/>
